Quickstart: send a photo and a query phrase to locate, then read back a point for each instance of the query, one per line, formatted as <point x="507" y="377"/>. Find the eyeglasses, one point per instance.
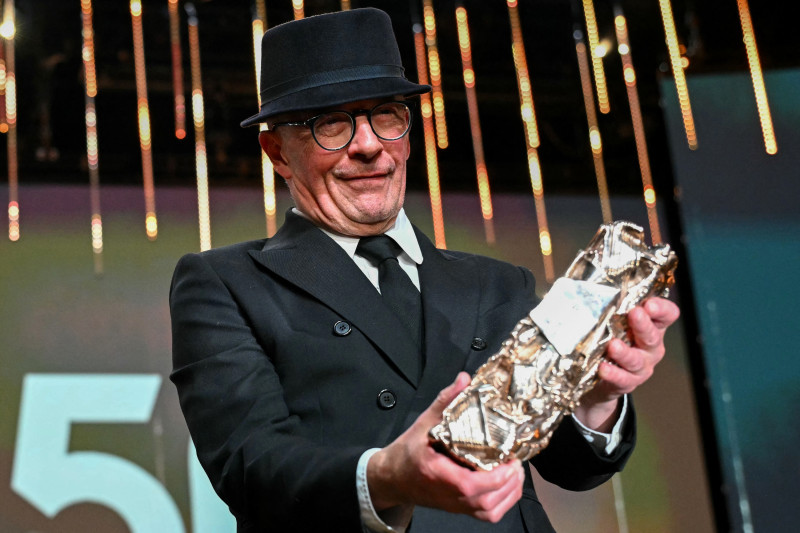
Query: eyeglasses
<point x="334" y="130"/>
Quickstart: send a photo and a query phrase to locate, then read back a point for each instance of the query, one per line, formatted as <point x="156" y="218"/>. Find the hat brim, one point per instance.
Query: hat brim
<point x="336" y="94"/>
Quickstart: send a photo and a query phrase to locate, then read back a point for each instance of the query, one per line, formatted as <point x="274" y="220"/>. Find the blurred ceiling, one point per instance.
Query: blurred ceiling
<point x="50" y="87"/>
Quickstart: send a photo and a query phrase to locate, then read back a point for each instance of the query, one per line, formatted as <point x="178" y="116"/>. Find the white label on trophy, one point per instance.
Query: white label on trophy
<point x="570" y="310"/>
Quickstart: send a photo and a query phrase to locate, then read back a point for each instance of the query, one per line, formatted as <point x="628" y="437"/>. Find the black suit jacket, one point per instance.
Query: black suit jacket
<point x="281" y="404"/>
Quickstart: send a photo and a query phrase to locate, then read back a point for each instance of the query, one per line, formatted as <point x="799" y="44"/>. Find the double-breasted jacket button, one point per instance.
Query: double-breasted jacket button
<point x="342" y="328"/>
<point x="478" y="344"/>
<point x="386" y="399"/>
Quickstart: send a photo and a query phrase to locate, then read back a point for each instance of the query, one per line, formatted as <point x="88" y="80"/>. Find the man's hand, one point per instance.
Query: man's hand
<point x="627" y="367"/>
<point x="410" y="472"/>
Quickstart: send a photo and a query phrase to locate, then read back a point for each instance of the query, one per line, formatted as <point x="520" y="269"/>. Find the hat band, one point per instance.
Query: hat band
<point x="365" y="72"/>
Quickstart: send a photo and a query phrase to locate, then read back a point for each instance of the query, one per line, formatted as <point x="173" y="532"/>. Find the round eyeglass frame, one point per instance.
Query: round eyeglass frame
<point x="352" y="115"/>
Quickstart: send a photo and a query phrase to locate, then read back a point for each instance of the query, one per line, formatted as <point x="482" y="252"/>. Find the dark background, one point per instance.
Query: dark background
<point x="50" y="82"/>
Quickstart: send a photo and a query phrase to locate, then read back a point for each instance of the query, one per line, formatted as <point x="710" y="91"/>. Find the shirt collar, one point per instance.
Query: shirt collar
<point x="402" y="232"/>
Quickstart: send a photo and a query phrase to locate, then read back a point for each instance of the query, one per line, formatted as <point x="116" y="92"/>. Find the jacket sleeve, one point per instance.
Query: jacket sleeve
<point x="253" y="449"/>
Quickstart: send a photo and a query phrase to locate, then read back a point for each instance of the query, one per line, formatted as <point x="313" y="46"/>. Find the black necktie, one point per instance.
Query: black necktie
<point x="397" y="289"/>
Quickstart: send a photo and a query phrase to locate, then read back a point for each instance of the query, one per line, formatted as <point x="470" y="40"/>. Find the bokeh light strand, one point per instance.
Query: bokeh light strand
<point x="597" y="58"/>
<point x="431" y="157"/>
<point x="757" y="76"/>
<point x="629" y="74"/>
<point x="90" y="116"/>
<point x="484" y="193"/>
<point x="198" y="117"/>
<point x="435" y="66"/>
<point x="677" y="72"/>
<point x="595" y="139"/>
<point x="532" y="137"/>
<point x="267" y="170"/>
<point x="143" y="114"/>
<point x="8" y="32"/>
<point x="177" y="70"/>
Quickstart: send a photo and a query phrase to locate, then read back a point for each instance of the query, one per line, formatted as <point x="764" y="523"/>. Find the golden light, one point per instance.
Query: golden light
<point x="143" y="113"/>
<point x="677" y="72"/>
<point x="8" y="29"/>
<point x="13" y="221"/>
<point x="434" y="66"/>
<point x="198" y="116"/>
<point x="299" y="9"/>
<point x="649" y="196"/>
<point x="621" y="28"/>
<point x="602" y="49"/>
<point x="764" y="115"/>
<point x="594" y="131"/>
<point x="545" y="243"/>
<point x="596" y="55"/>
<point x="594" y="140"/>
<point x="462" y="25"/>
<point x="431" y="158"/>
<point x="528" y="116"/>
<point x="630" y="75"/>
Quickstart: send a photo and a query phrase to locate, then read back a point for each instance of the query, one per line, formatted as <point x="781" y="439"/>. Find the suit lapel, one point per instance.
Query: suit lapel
<point x="304" y="256"/>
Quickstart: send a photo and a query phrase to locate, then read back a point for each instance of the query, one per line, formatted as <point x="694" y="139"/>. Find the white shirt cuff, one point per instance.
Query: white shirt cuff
<point x="605" y="442"/>
<point x="393" y="520"/>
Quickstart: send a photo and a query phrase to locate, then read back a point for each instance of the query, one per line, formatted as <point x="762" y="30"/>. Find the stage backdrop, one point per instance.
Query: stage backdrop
<point x="91" y="436"/>
<point x="742" y="229"/>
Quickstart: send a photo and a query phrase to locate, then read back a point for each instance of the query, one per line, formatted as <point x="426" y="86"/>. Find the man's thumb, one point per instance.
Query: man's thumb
<point x="448" y="394"/>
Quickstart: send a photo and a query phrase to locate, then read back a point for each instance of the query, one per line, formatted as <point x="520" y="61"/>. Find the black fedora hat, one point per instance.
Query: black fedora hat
<point x="330" y="59"/>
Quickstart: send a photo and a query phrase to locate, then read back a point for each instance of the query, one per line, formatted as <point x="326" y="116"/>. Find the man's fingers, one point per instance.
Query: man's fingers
<point x="645" y="333"/>
<point x="494" y="504"/>
<point x="662" y="312"/>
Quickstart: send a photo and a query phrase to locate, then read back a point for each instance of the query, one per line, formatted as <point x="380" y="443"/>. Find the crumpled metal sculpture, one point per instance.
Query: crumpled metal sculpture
<point x="519" y="396"/>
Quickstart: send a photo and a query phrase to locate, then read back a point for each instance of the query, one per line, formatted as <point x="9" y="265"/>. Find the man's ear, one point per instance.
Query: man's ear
<point x="271" y="143"/>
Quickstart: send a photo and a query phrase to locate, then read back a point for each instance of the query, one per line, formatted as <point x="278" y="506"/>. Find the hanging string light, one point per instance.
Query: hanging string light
<point x="677" y="71"/>
<point x="7" y="31"/>
<point x="345" y="5"/>
<point x="594" y="131"/>
<point x="597" y="57"/>
<point x="143" y="112"/>
<point x="474" y="122"/>
<point x="431" y="158"/>
<point x="90" y="85"/>
<point x="267" y="171"/>
<point x="177" y="70"/>
<point x="756" y="75"/>
<point x="629" y="74"/>
<point x="299" y="9"/>
<point x="198" y="115"/>
<point x="434" y="64"/>
<point x="532" y="137"/>
<point x="3" y="123"/>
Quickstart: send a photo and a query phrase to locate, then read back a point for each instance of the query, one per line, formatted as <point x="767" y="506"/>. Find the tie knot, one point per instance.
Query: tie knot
<point x="378" y="248"/>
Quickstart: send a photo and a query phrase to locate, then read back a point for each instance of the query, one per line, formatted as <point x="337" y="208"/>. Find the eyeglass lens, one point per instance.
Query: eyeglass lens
<point x="389" y="121"/>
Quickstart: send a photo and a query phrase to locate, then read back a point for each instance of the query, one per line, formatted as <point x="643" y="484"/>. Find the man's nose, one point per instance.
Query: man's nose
<point x="365" y="142"/>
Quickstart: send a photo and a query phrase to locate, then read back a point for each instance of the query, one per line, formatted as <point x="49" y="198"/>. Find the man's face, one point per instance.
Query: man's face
<point x="355" y="191"/>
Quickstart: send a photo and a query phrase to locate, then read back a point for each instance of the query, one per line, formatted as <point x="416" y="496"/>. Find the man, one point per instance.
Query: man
<point x="308" y="394"/>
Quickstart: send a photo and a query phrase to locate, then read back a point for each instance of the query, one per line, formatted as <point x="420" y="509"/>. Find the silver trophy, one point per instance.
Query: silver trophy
<point x="519" y="396"/>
